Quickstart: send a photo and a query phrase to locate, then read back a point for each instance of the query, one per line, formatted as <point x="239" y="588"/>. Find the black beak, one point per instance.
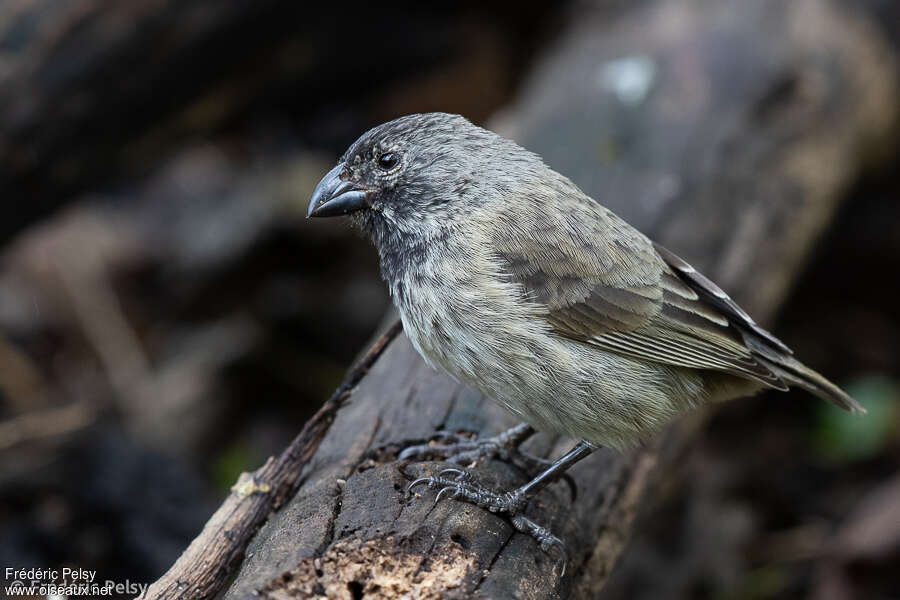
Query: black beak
<point x="334" y="196"/>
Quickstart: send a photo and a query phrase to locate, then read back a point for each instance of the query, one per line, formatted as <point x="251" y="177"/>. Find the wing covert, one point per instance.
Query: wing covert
<point x="608" y="286"/>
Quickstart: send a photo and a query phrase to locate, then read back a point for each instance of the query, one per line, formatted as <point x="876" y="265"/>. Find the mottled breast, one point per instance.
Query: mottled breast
<point x="462" y="314"/>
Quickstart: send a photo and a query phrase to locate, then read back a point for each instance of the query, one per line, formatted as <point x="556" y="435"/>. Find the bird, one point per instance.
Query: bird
<point x="514" y="281"/>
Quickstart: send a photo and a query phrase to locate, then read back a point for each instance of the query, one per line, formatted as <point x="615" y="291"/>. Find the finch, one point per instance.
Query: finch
<point x="514" y="281"/>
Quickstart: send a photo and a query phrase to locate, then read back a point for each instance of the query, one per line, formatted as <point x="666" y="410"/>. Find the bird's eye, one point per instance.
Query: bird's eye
<point x="388" y="160"/>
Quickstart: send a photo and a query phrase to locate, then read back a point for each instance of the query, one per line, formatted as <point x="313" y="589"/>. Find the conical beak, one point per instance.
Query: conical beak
<point x="334" y="196"/>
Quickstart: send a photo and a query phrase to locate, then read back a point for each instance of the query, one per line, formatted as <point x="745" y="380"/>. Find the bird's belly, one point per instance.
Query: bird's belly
<point x="553" y="383"/>
<point x="487" y="335"/>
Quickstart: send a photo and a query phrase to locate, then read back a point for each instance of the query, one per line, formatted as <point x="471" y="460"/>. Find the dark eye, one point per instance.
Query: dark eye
<point x="388" y="160"/>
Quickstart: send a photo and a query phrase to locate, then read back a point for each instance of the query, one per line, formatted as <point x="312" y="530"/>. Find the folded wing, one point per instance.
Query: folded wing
<point x="609" y="286"/>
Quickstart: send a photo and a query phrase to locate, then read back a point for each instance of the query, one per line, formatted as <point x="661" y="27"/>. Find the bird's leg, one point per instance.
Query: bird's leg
<point x="462" y="486"/>
<point x="468" y="452"/>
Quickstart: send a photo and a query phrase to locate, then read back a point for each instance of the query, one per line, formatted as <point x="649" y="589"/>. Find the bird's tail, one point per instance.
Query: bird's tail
<point x="795" y="373"/>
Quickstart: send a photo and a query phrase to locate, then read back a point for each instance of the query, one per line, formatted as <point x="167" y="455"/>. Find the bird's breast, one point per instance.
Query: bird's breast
<point x="470" y="321"/>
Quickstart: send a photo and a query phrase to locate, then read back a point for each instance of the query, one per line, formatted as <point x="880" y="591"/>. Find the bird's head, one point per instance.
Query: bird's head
<point x="421" y="173"/>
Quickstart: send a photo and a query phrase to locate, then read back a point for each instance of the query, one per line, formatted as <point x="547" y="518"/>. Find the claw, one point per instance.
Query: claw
<point x="555" y="542"/>
<point x="460" y="474"/>
<point x="564" y="560"/>
<point x="546" y="539"/>
<point x="441" y="493"/>
<point x="418" y="481"/>
<point x="408" y="452"/>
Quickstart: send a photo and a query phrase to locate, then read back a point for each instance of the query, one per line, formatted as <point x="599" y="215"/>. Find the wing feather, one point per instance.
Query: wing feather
<point x="717" y="298"/>
<point x="647" y="304"/>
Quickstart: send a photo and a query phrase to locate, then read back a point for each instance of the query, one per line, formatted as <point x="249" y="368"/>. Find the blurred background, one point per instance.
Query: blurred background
<point x="168" y="319"/>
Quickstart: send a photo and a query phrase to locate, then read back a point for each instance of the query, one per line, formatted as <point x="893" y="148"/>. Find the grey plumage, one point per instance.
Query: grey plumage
<point x="514" y="281"/>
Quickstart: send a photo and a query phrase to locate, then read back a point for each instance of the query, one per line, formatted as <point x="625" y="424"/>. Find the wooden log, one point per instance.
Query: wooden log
<point x="726" y="131"/>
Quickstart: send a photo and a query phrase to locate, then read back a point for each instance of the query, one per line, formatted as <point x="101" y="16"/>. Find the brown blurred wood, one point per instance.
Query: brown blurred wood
<point x="95" y="92"/>
<point x="78" y="88"/>
<point x="755" y="118"/>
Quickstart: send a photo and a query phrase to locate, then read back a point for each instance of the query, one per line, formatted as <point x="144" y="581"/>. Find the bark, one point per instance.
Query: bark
<point x="728" y="132"/>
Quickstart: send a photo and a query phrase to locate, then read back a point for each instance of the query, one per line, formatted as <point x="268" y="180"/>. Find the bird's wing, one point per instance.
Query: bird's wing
<point x="605" y="284"/>
<point x="715" y="297"/>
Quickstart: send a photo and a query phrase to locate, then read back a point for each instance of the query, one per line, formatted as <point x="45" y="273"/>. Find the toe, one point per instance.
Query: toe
<point x="460" y="475"/>
<point x="418" y="451"/>
<point x="421" y="480"/>
<point x="448" y="490"/>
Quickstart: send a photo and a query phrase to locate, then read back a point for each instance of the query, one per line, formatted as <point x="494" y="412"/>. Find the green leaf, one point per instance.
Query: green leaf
<point x="839" y="436"/>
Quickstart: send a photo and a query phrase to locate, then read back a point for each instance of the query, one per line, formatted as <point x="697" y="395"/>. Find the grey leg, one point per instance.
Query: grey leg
<point x="455" y="448"/>
<point x="462" y="486"/>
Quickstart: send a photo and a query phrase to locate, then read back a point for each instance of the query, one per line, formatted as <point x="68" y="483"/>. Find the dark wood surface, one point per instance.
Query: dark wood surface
<point x="756" y="118"/>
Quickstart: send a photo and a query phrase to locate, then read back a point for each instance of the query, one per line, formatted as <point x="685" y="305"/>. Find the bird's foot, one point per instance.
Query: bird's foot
<point x="461" y="485"/>
<point x="462" y="450"/>
<point x="467" y="452"/>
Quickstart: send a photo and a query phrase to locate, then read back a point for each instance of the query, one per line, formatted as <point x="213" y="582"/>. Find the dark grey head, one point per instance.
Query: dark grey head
<point x="420" y="173"/>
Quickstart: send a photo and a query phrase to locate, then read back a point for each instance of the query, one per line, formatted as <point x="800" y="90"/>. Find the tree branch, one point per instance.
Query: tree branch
<point x="204" y="568"/>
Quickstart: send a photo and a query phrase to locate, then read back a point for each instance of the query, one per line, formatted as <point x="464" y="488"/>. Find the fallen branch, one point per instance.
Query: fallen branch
<point x="204" y="568"/>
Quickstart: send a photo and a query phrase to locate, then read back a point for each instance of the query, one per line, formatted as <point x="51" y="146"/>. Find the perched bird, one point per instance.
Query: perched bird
<point x="516" y="282"/>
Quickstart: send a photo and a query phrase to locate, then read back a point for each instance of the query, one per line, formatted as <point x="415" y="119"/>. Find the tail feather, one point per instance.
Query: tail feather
<point x="768" y="350"/>
<point x="797" y="374"/>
